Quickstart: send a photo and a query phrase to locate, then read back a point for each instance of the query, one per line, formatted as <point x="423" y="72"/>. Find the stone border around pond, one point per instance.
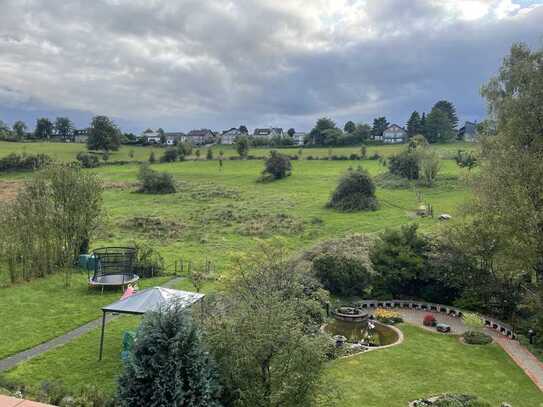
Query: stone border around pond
<point x="374" y="348"/>
<point x="491" y="323"/>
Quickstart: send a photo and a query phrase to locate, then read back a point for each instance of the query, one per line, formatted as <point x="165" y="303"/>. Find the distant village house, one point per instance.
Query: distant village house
<point x="268" y="133"/>
<point x="230" y="136"/>
<point x="394" y="134"/>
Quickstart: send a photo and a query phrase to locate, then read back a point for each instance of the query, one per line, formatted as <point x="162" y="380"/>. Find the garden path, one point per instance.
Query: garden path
<point x="520" y="354"/>
<point x="13" y="360"/>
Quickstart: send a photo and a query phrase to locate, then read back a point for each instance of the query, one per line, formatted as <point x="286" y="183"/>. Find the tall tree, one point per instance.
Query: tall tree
<point x="64" y="127"/>
<point x="19" y="127"/>
<point x="261" y="332"/>
<point x="349" y="127"/>
<point x="169" y="365"/>
<point x="44" y="128"/>
<point x="243" y="129"/>
<point x="317" y="133"/>
<point x="510" y="187"/>
<point x="448" y="108"/>
<point x="4" y="131"/>
<point x="379" y="126"/>
<point x="291" y="131"/>
<point x="362" y="132"/>
<point x="414" y="124"/>
<point x="439" y="128"/>
<point x="103" y="134"/>
<point x="423" y="124"/>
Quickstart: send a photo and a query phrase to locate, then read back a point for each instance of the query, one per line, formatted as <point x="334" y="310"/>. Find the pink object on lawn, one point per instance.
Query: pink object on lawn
<point x="128" y="292"/>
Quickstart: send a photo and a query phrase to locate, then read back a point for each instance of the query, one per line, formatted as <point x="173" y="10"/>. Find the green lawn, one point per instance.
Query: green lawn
<point x="214" y="215"/>
<point x="428" y="364"/>
<point x="43" y="309"/>
<point x="76" y="363"/>
<point x="425" y="364"/>
<point x="217" y="214"/>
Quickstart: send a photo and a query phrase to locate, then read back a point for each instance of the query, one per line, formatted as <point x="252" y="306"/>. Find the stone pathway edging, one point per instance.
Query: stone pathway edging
<point x="13" y="360"/>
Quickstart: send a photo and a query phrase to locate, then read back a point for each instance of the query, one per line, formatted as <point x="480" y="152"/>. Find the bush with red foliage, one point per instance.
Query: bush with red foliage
<point x="429" y="320"/>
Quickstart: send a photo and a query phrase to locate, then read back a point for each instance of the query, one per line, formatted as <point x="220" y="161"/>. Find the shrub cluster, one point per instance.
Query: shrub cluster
<point x="406" y="165"/>
<point x="153" y="182"/>
<point x="87" y="160"/>
<point x="277" y="166"/>
<point x="477" y="338"/>
<point x="149" y="262"/>
<point x="460" y="400"/>
<point x="14" y="162"/>
<point x="341" y="275"/>
<point x="355" y="192"/>
<point x="170" y="155"/>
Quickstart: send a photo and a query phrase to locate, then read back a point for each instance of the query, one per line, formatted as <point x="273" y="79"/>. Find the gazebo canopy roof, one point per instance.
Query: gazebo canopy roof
<point x="151" y="299"/>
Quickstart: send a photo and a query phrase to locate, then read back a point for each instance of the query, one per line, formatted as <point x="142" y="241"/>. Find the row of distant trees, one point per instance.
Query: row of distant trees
<point x="44" y="129"/>
<point x="439" y="126"/>
<point x="103" y="134"/>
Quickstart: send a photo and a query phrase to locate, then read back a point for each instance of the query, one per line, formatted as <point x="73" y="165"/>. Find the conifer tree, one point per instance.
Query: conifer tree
<point x="168" y="365"/>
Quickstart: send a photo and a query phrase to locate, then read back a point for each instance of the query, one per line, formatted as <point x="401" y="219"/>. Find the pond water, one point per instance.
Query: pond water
<point x="380" y="335"/>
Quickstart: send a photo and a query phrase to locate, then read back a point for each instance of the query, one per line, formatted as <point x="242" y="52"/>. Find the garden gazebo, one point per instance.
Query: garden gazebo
<point x="150" y="299"/>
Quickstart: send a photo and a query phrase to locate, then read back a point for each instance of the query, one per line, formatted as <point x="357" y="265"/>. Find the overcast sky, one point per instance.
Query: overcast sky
<point x="183" y="64"/>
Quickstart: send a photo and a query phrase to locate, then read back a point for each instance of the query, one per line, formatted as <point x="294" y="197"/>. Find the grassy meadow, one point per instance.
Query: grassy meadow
<point x="220" y="212"/>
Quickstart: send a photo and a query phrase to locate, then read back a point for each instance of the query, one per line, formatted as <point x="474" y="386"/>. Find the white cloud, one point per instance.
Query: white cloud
<point x="214" y="61"/>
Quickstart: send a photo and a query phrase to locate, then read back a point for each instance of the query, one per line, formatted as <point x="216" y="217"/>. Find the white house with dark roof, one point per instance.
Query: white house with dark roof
<point x="230" y="136"/>
<point x="394" y="134"/>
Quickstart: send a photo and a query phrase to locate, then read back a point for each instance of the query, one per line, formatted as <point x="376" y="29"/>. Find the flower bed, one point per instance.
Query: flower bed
<point x="388" y="317"/>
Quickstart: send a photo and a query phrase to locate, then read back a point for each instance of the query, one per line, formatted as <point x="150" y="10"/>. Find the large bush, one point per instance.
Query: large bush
<point x="341" y="275"/>
<point x="277" y="166"/>
<point x="406" y="164"/>
<point x="153" y="182"/>
<point x="168" y="365"/>
<point x="170" y="155"/>
<point x="87" y="160"/>
<point x="355" y="192"/>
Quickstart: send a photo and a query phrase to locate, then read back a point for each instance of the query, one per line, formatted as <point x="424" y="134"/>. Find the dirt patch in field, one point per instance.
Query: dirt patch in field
<point x="119" y="185"/>
<point x="9" y="190"/>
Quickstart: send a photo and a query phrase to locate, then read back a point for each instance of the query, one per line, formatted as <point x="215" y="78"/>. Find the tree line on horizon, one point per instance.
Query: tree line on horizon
<point x="439" y="126"/>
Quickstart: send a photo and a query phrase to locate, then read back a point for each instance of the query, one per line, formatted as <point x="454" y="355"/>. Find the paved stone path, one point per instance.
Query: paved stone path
<point x="13" y="360"/>
<point x="520" y="355"/>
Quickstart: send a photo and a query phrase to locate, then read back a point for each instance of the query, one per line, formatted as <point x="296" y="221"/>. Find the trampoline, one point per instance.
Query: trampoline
<point x="112" y="267"/>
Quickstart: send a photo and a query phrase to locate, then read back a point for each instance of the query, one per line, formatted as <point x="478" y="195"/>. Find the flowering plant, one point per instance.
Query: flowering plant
<point x="388" y="316"/>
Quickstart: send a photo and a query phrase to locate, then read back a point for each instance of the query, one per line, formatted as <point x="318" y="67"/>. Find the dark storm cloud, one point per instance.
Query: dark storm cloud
<point x="183" y="64"/>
